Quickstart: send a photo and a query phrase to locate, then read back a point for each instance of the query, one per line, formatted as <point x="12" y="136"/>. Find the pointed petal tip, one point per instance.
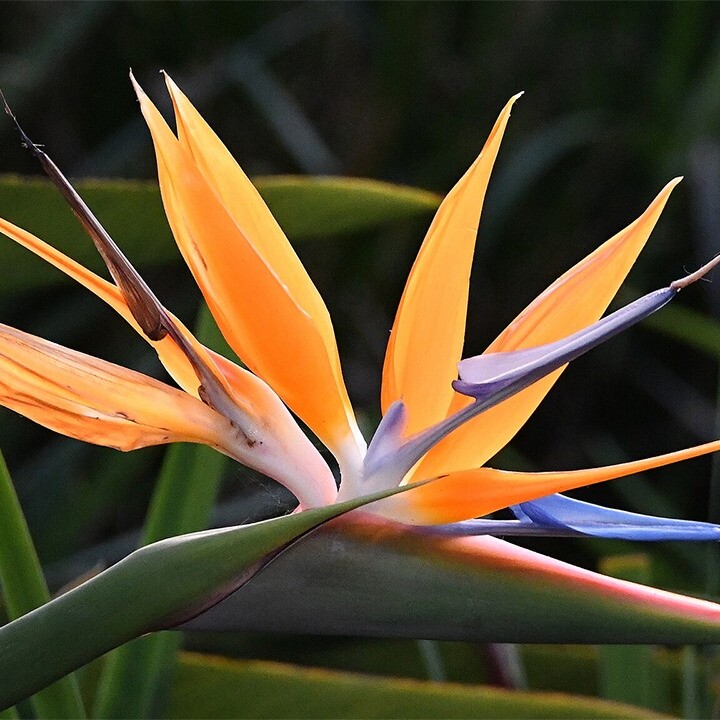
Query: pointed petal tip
<point x="511" y="102"/>
<point x="658" y="204"/>
<point x="669" y="187"/>
<point x="171" y="84"/>
<point x="697" y="275"/>
<point x="136" y="87"/>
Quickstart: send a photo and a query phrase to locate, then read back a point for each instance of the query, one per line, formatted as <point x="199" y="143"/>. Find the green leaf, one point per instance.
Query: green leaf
<point x="182" y="502"/>
<point x="689" y="327"/>
<point x="363" y="576"/>
<point x="24" y="589"/>
<point x="626" y="672"/>
<point x="132" y="213"/>
<point x="462" y="663"/>
<point x="553" y="668"/>
<point x="217" y="688"/>
<point x="154" y="588"/>
<point x="308" y="207"/>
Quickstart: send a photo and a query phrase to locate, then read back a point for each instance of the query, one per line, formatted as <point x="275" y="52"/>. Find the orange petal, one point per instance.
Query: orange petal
<point x="288" y="456"/>
<point x="474" y="493"/>
<point x="170" y="354"/>
<point x="249" y="212"/>
<point x="97" y="401"/>
<point x="271" y="317"/>
<point x="102" y="403"/>
<point x="168" y="351"/>
<point x="427" y="336"/>
<point x="572" y="302"/>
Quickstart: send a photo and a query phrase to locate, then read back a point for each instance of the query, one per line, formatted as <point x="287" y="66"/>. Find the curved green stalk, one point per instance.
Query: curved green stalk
<point x="182" y="501"/>
<point x="154" y="588"/>
<point x="24" y="589"/>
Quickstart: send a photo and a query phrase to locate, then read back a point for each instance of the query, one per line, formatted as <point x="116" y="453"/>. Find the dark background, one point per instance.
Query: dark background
<point x="619" y="98"/>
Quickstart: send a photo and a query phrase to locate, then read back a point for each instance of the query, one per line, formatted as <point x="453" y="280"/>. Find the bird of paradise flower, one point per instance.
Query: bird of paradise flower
<point x="435" y="425"/>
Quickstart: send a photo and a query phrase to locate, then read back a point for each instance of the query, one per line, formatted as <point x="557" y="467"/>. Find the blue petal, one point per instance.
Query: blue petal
<point x="493" y="374"/>
<point x="504" y="528"/>
<point x="561" y="512"/>
<point x="490" y="379"/>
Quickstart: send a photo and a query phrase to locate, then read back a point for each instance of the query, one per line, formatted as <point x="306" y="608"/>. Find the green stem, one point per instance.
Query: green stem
<point x="154" y="588"/>
<point x="24" y="590"/>
<point x="135" y="675"/>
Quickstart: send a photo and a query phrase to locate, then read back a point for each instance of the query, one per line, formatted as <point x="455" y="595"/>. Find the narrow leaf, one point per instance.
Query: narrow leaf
<point x="154" y="588"/>
<point x="219" y="688"/>
<point x="626" y="672"/>
<point x="135" y="674"/>
<point x="24" y="589"/>
<point x="394" y="580"/>
<point x="305" y="207"/>
<point x="314" y="207"/>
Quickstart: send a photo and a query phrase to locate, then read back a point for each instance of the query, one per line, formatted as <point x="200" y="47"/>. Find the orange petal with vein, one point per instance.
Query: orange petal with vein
<point x="427" y="336"/>
<point x="574" y="301"/>
<point x="170" y="354"/>
<point x="99" y="402"/>
<point x="474" y="493"/>
<point x="270" y="329"/>
<point x="284" y="439"/>
<point x="249" y="211"/>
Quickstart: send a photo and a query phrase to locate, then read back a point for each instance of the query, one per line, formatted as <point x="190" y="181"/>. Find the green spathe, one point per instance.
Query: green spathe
<point x="154" y="588"/>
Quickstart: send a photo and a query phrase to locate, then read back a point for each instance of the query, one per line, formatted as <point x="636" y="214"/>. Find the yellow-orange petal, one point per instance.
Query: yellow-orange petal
<point x="574" y="301"/>
<point x="273" y="333"/>
<point x="170" y="354"/>
<point x="172" y="357"/>
<point x="93" y="400"/>
<point x="99" y="402"/>
<point x="427" y="337"/>
<point x="288" y="456"/>
<point x="473" y="493"/>
<point x="252" y="216"/>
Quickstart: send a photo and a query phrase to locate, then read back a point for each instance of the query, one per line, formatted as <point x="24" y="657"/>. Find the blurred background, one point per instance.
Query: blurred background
<point x="619" y="99"/>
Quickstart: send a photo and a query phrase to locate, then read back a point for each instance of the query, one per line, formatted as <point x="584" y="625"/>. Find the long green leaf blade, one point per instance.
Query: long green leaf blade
<point x="305" y="207"/>
<point x="218" y="688"/>
<point x="392" y="580"/>
<point x="152" y="589"/>
<point x="182" y="502"/>
<point x="626" y="672"/>
<point x="24" y="589"/>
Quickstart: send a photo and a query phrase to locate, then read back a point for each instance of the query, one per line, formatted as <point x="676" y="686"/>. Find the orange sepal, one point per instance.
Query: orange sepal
<point x="170" y="354"/>
<point x="252" y="216"/>
<point x="427" y="336"/>
<point x="574" y="301"/>
<point x="264" y="323"/>
<point x="99" y="402"/>
<point x="474" y="493"/>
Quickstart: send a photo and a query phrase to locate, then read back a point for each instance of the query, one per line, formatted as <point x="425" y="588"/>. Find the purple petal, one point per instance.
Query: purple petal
<point x="490" y="379"/>
<point x="561" y="512"/>
<point x="487" y="376"/>
<point x="499" y="528"/>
